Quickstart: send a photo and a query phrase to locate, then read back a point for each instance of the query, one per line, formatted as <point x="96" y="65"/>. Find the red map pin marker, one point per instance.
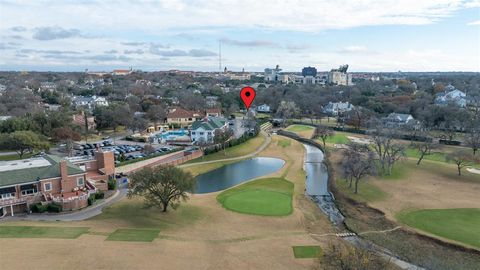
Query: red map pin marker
<point x="247" y="94"/>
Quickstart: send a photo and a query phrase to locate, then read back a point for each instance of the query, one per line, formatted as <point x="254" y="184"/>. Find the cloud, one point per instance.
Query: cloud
<point x="249" y="43"/>
<point x="133" y="43"/>
<point x="185" y="15"/>
<point x="354" y="49"/>
<point x="295" y="48"/>
<point x="52" y="33"/>
<point x="179" y="53"/>
<point x="18" y="29"/>
<point x="111" y="52"/>
<point x="53" y="52"/>
<point x="137" y="51"/>
<point x="474" y="23"/>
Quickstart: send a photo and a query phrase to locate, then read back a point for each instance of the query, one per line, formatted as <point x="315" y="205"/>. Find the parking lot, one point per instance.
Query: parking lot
<point x="122" y="152"/>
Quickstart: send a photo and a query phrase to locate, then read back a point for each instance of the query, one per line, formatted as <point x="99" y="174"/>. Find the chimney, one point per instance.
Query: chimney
<point x="63" y="173"/>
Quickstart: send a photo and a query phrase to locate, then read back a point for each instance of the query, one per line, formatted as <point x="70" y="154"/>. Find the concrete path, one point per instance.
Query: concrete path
<point x="86" y="213"/>
<point x="265" y="143"/>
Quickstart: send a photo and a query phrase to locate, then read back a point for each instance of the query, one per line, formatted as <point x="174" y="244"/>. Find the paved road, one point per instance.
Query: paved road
<point x="75" y="216"/>
<point x="265" y="143"/>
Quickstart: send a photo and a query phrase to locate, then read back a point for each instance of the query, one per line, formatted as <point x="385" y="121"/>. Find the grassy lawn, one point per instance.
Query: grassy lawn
<point x="367" y="192"/>
<point x="136" y="235"/>
<point x="15" y="157"/>
<point x="41" y="232"/>
<point x="299" y="128"/>
<point x="462" y="225"/>
<point x="266" y="197"/>
<point x="235" y="151"/>
<point x="302" y="252"/>
<point x="338" y="138"/>
<point x="434" y="156"/>
<point x="131" y="213"/>
<point x="283" y="143"/>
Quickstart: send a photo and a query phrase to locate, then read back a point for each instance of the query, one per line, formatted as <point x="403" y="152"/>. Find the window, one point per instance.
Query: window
<point x="47" y="186"/>
<point x="80" y="181"/>
<point x="193" y="132"/>
<point x="7" y="196"/>
<point x="28" y="192"/>
<point x="201" y="133"/>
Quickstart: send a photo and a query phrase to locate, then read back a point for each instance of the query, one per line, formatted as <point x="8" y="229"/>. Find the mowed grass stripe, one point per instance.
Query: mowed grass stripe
<point x="266" y="197"/>
<point x="461" y="225"/>
<point x="41" y="232"/>
<point x="299" y="128"/>
<point x="303" y="252"/>
<point x="133" y="235"/>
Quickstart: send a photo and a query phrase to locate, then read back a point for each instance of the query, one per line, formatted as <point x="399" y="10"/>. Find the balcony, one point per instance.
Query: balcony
<point x="23" y="199"/>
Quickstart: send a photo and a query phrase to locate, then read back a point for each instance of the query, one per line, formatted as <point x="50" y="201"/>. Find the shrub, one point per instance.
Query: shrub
<point x="91" y="200"/>
<point x="447" y="142"/>
<point x="38" y="208"/>
<point x="99" y="195"/>
<point x="54" y="207"/>
<point x="112" y="184"/>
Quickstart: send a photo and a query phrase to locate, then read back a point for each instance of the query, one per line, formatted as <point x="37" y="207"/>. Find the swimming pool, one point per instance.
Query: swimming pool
<point x="172" y="135"/>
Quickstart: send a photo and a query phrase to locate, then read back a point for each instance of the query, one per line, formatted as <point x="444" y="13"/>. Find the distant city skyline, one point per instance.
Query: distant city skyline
<point x="372" y="36"/>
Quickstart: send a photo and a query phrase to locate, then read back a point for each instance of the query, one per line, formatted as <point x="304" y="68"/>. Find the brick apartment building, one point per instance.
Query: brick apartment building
<point x="53" y="179"/>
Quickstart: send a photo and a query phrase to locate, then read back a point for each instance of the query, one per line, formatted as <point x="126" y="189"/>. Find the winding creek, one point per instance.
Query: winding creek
<point x="317" y="188"/>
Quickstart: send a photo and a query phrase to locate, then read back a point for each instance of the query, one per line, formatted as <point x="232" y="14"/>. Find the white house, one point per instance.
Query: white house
<point x="89" y="102"/>
<point x="264" y="108"/>
<point x="451" y="96"/>
<point x="203" y="131"/>
<point x="400" y="120"/>
<point x="48" y="86"/>
<point x="336" y="108"/>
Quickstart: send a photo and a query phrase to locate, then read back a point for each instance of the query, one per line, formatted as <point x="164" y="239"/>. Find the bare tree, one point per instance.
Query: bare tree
<point x="287" y="109"/>
<point x="156" y="114"/>
<point x="424" y="148"/>
<point x="323" y="133"/>
<point x="359" y="161"/>
<point x="388" y="152"/>
<point x="221" y="137"/>
<point x="461" y="159"/>
<point x="472" y="139"/>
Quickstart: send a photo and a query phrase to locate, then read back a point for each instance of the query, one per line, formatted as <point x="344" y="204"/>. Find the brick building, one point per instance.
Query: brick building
<point x="52" y="179"/>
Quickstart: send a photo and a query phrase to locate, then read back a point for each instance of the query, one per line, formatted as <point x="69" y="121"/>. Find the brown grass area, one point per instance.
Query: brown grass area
<point x="430" y="185"/>
<point x="218" y="239"/>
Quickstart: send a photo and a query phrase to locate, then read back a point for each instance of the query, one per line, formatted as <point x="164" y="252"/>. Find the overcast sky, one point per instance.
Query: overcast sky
<point x="369" y="35"/>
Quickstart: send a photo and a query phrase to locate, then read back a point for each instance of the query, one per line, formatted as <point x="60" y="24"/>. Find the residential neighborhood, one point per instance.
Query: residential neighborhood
<point x="237" y="135"/>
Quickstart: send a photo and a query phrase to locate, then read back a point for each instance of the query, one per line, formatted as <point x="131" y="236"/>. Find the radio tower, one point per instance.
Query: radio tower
<point x="220" y="56"/>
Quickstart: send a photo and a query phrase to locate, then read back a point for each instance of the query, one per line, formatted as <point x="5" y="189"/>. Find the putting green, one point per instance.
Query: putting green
<point x="266" y="197"/>
<point x="462" y="225"/>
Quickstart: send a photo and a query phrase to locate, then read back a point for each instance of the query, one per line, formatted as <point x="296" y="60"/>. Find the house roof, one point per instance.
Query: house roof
<point x="45" y="167"/>
<point x="209" y="123"/>
<point x="178" y="112"/>
<point x="399" y="117"/>
<point x="214" y="110"/>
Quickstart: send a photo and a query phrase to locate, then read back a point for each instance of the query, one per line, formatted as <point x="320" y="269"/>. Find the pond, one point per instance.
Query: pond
<point x="236" y="173"/>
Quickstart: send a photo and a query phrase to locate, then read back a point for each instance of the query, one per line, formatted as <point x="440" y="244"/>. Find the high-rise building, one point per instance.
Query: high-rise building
<point x="340" y="76"/>
<point x="272" y="75"/>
